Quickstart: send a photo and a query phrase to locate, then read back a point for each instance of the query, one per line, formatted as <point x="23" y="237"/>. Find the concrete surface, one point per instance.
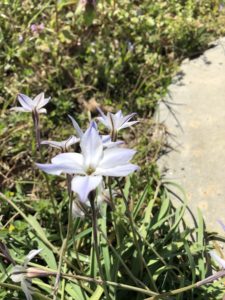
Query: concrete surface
<point x="197" y="127"/>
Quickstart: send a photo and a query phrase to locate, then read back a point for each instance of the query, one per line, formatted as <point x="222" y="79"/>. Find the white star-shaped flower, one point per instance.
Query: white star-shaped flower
<point x="91" y="164"/>
<point x="116" y="122"/>
<point x="63" y="145"/>
<point x="29" y="105"/>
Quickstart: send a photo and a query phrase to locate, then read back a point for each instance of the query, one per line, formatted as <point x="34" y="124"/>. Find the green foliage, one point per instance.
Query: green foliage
<point x="123" y="52"/>
<point x="119" y="53"/>
<point x="174" y="254"/>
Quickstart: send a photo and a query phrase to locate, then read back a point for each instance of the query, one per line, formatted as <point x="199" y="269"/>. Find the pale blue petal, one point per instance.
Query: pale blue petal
<point x="26" y="287"/>
<point x="119" y="114"/>
<point x="218" y="259"/>
<point x="128" y="117"/>
<point x="76" y="126"/>
<point x="115" y="157"/>
<point x="22" y="109"/>
<point x="91" y="147"/>
<point x="128" y="124"/>
<point x="72" y="159"/>
<point x="119" y="171"/>
<point x="31" y="255"/>
<point x="42" y="111"/>
<point x="106" y="138"/>
<point x="40" y="101"/>
<point x="63" y="144"/>
<point x="101" y="113"/>
<point x="25" y="101"/>
<point x="57" y="169"/>
<point x="107" y="142"/>
<point x="104" y="121"/>
<point x="83" y="185"/>
<point x="19" y="273"/>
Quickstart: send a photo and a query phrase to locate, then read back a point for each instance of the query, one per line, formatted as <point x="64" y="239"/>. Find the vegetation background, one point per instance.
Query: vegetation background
<point x="117" y="55"/>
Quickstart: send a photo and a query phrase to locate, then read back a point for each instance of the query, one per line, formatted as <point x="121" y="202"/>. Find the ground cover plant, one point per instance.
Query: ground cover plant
<point x="98" y="232"/>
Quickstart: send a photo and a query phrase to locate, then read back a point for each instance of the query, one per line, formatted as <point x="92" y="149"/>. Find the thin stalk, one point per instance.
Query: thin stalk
<point x="35" y="117"/>
<point x="172" y="293"/>
<point x="46" y="272"/>
<point x="36" y="121"/>
<point x="111" y="283"/>
<point x="95" y="235"/>
<point x="141" y="257"/>
<point x="118" y="240"/>
<point x="66" y="240"/>
<point x="63" y="285"/>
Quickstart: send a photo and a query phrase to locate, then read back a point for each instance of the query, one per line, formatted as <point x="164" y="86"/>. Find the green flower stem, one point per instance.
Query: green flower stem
<point x="95" y="235"/>
<point x="74" y="278"/>
<point x="66" y="240"/>
<point x="35" y="117"/>
<point x="117" y="232"/>
<point x="174" y="292"/>
<point x="114" y="284"/>
<point x="36" y="121"/>
<point x="18" y="288"/>
<point x="136" y="242"/>
<point x="63" y="285"/>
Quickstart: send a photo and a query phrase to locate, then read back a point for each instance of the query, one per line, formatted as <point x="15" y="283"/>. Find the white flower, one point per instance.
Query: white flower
<point x="29" y="105"/>
<point x="116" y="122"/>
<point x="218" y="259"/>
<point x="63" y="145"/>
<point x="19" y="274"/>
<point x="91" y="164"/>
<point x="106" y="139"/>
<point x="77" y="212"/>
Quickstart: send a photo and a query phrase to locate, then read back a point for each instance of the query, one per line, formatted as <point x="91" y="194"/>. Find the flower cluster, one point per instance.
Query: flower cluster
<point x="100" y="155"/>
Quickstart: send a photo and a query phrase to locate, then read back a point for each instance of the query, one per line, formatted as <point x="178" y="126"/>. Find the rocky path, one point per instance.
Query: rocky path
<point x="197" y="127"/>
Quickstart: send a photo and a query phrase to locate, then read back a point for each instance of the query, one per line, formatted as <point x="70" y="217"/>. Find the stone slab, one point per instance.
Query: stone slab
<point x="194" y="115"/>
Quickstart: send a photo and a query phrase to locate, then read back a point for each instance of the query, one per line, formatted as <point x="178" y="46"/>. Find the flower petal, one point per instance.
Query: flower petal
<point x="77" y="212"/>
<point x="42" y="111"/>
<point x="63" y="144"/>
<point x="18" y="273"/>
<point x="218" y="259"/>
<point x="91" y="147"/>
<point x="72" y="159"/>
<point x="103" y="119"/>
<point x="119" y="171"/>
<point x="76" y="126"/>
<point x="57" y="169"/>
<point x="25" y="101"/>
<point x="40" y="101"/>
<point x="115" y="157"/>
<point x="128" y="124"/>
<point x="83" y="185"/>
<point x="128" y="117"/>
<point x="21" y="109"/>
<point x="26" y="287"/>
<point x="31" y="255"/>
